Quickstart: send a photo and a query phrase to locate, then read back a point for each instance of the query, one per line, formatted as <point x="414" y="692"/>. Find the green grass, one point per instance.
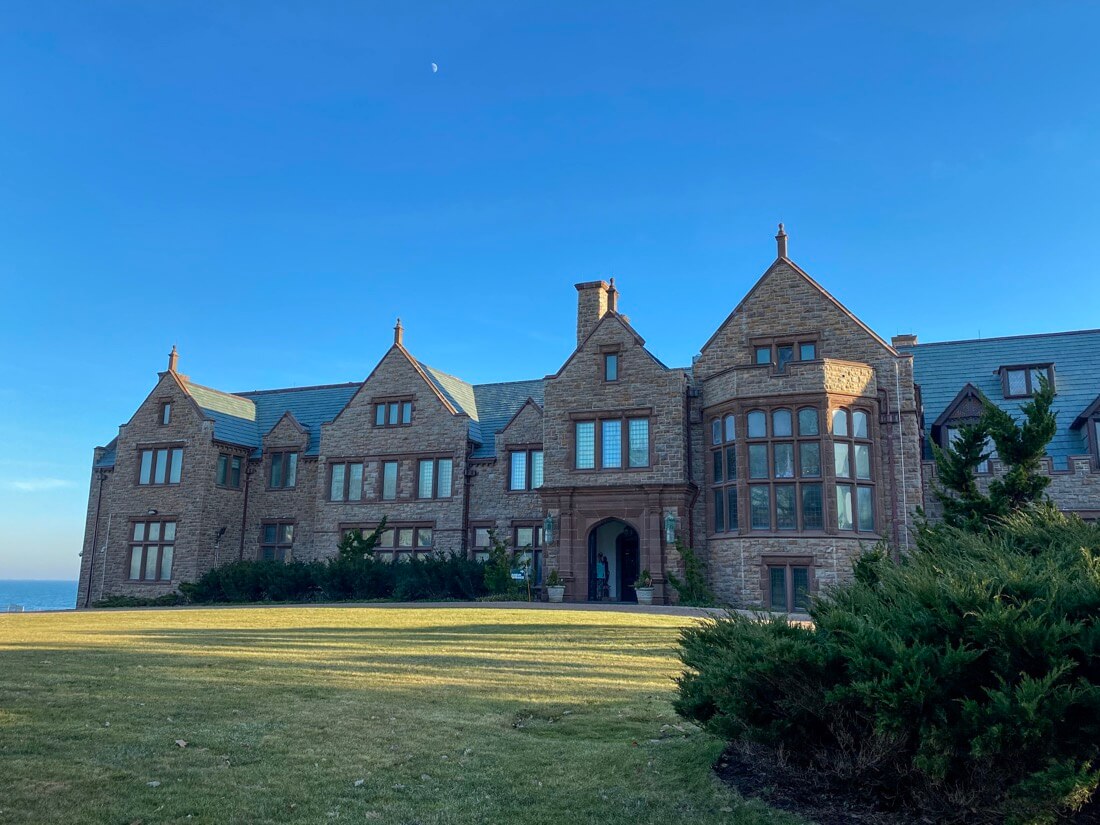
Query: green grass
<point x="446" y="715"/>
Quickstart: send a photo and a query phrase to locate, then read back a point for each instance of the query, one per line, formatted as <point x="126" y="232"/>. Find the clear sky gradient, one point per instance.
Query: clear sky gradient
<point x="268" y="185"/>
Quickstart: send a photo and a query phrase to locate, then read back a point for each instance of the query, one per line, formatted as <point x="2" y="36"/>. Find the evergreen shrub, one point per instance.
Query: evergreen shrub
<point x="963" y="682"/>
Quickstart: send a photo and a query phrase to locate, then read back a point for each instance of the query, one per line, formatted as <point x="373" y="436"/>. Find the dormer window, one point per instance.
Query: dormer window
<point x="782" y="351"/>
<point x="1022" y="380"/>
<point x="395" y="413"/>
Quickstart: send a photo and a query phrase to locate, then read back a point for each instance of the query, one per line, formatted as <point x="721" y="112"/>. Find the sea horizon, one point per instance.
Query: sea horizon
<point x="33" y="595"/>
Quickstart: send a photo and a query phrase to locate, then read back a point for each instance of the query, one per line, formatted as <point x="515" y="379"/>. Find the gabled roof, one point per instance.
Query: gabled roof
<point x="621" y="319"/>
<point x="1089" y="411"/>
<point x="108" y="458"/>
<point x="942" y="368"/>
<point x="809" y="280"/>
<point x="497" y="405"/>
<point x="968" y="395"/>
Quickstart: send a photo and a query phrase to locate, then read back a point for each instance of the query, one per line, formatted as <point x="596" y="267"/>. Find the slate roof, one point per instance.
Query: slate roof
<point x="943" y="368"/>
<point x="246" y="417"/>
<point x="496" y="404"/>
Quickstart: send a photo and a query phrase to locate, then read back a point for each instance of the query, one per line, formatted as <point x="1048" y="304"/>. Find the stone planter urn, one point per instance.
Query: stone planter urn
<point x="645" y="595"/>
<point x="555" y="593"/>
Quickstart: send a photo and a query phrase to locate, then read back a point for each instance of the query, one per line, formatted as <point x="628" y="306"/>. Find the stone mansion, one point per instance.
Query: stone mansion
<point x="795" y="440"/>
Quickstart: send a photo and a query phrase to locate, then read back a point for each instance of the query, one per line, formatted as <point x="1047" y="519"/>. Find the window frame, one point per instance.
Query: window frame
<point x="435" y="496"/>
<point x="346" y="485"/>
<point x="773" y="344"/>
<point x="788" y="563"/>
<point x="165" y="413"/>
<point x="1027" y="369"/>
<point x="285" y="547"/>
<point x="597" y="419"/>
<point x="528" y="451"/>
<point x="852" y="480"/>
<point x="157" y="545"/>
<point x="382" y="479"/>
<point x="284" y="454"/>
<point x="170" y="449"/>
<point x="400" y="408"/>
<point x="229" y="459"/>
<point x="397" y="551"/>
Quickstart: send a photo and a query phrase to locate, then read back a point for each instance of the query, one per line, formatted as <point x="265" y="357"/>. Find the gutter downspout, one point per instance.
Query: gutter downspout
<point x="248" y="471"/>
<point x="901" y="449"/>
<point x="102" y="474"/>
<point x="884" y="401"/>
<point x="468" y="473"/>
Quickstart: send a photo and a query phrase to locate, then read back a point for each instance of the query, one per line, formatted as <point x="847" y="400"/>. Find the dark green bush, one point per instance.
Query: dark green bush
<point x="692" y="590"/>
<point x="167" y="600"/>
<point x="964" y="681"/>
<point x="348" y="577"/>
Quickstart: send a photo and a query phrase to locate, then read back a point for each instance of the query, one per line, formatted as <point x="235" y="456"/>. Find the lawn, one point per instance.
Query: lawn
<point x="385" y="715"/>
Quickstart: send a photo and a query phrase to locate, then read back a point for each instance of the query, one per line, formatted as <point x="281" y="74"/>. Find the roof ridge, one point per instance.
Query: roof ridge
<point x="1004" y="338"/>
<point x="519" y="381"/>
<point x="191" y="383"/>
<point x="248" y="393"/>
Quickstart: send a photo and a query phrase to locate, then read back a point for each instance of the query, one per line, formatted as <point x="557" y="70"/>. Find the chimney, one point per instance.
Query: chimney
<point x="399" y="333"/>
<point x="908" y="340"/>
<point x="781" y="242"/>
<point x="173" y="360"/>
<point x="591" y="307"/>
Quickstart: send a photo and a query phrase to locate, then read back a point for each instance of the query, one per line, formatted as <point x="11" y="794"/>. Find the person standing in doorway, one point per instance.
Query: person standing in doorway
<point x="601" y="577"/>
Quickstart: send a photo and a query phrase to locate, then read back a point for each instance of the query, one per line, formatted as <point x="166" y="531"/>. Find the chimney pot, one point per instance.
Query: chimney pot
<point x="907" y="340"/>
<point x="781" y="242"/>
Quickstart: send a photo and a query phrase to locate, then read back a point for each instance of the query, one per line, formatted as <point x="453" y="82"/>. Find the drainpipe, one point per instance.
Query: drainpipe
<point x="884" y="401"/>
<point x="468" y="473"/>
<point x="102" y="475"/>
<point x="901" y="449"/>
<point x="248" y="471"/>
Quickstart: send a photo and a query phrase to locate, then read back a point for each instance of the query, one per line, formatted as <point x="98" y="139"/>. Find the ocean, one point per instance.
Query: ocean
<point x="37" y="594"/>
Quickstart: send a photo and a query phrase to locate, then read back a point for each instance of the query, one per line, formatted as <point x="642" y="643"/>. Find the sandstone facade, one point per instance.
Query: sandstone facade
<point x="795" y="441"/>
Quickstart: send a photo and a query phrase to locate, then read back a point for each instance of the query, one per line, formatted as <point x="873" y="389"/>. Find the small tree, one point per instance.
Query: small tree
<point x="1020" y="445"/>
<point x="354" y="545"/>
<point x="692" y="590"/>
<point x="498" y="570"/>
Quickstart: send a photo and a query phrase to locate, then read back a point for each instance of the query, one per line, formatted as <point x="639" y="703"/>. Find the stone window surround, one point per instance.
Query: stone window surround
<point x="269" y="460"/>
<point x="375" y="494"/>
<point x="1004" y="370"/>
<point x="606" y="350"/>
<point x="147" y="545"/>
<point x="435" y="458"/>
<point x="599" y="416"/>
<point x="773" y="342"/>
<point x="769" y="561"/>
<point x="229" y="456"/>
<point x="384" y="401"/>
<point x="170" y="446"/>
<point x="797" y="480"/>
<point x="165" y="417"/>
<point x="286" y="547"/>
<point x="392" y="528"/>
<point x="527" y="448"/>
<point x="825" y="403"/>
<point x="346" y="491"/>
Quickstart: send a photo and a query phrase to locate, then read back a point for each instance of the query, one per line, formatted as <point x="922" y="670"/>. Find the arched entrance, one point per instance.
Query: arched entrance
<point x="613" y="561"/>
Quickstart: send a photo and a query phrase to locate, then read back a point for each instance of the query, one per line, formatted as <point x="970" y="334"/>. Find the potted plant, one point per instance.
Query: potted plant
<point x="644" y="588"/>
<point x="555" y="590"/>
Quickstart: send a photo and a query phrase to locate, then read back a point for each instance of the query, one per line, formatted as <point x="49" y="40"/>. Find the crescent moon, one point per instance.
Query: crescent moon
<point x="435" y="68"/>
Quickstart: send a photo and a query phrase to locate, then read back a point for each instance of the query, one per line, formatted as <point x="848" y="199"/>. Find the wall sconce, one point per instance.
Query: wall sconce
<point x="548" y="529"/>
<point x="670" y="528"/>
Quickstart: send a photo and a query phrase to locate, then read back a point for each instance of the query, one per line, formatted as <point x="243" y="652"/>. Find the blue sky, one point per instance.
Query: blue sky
<point x="268" y="185"/>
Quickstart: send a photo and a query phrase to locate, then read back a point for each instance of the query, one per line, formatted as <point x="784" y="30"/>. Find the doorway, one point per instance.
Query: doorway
<point x="613" y="562"/>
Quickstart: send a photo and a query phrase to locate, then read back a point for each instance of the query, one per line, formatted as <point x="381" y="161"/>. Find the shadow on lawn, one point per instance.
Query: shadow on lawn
<point x="479" y="659"/>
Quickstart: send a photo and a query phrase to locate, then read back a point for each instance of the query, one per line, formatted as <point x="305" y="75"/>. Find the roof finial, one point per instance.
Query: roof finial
<point x="173" y="359"/>
<point x="781" y="242"/>
<point x="612" y="297"/>
<point x="399" y="333"/>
